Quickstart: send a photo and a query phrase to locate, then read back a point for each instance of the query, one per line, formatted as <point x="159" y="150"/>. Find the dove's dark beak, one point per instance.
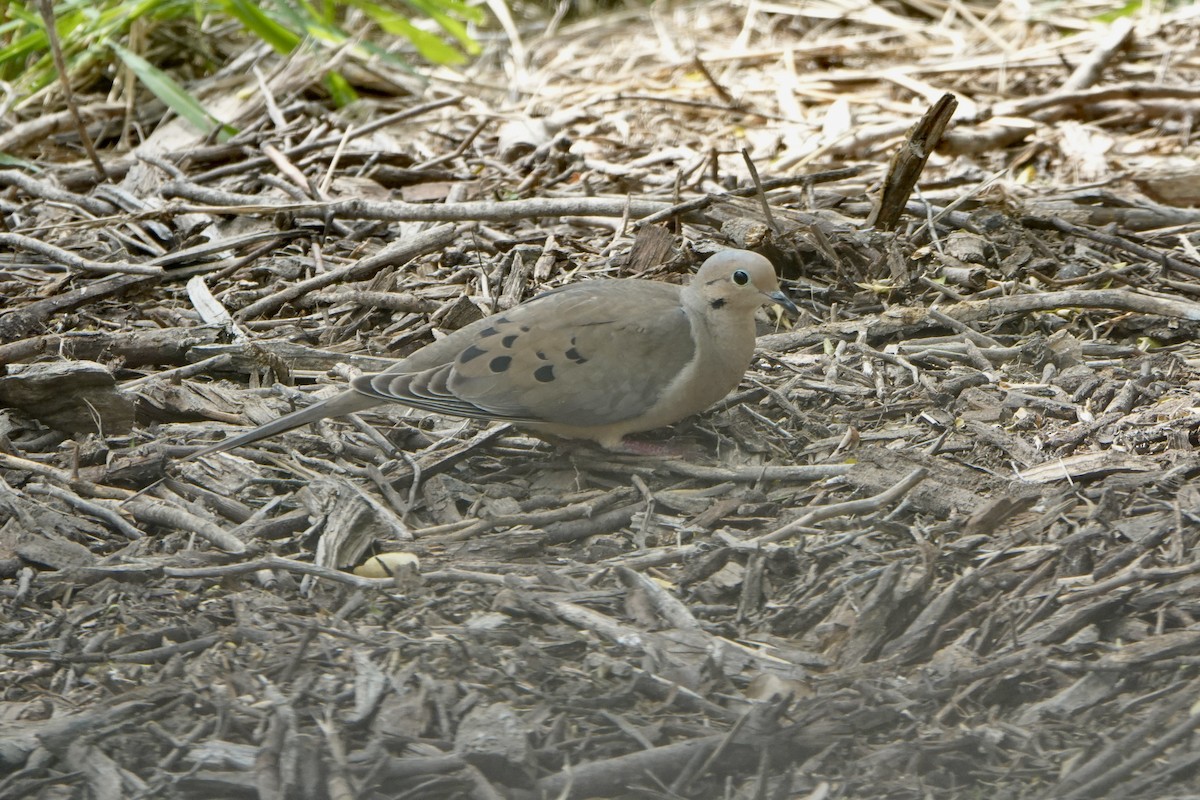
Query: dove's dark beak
<point x="781" y="299"/>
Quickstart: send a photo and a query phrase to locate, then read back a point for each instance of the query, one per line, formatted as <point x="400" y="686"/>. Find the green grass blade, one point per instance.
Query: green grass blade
<point x="170" y="92"/>
<point x="435" y="10"/>
<point x="339" y="88"/>
<point x="429" y="45"/>
<point x="280" y="38"/>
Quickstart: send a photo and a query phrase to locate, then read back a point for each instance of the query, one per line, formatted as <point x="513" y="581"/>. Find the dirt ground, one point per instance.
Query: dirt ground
<point x="938" y="544"/>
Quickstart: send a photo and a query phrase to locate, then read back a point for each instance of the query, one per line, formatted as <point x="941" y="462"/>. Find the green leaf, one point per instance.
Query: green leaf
<point x="458" y="8"/>
<point x="1127" y="10"/>
<point x="254" y="19"/>
<point x="439" y="10"/>
<point x="171" y="93"/>
<point x="340" y="89"/>
<point x="304" y="22"/>
<point x="428" y="44"/>
<point x="327" y="17"/>
<point x="86" y="27"/>
<point x="435" y="11"/>
<point x="12" y="161"/>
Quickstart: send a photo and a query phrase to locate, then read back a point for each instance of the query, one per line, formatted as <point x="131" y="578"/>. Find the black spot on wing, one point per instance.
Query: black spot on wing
<point x="470" y="353"/>
<point x="500" y="363"/>
<point x="574" y="355"/>
<point x="544" y="374"/>
<point x="507" y="341"/>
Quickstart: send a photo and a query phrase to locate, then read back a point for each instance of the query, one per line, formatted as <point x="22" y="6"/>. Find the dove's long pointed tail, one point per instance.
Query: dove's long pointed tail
<point x="337" y="406"/>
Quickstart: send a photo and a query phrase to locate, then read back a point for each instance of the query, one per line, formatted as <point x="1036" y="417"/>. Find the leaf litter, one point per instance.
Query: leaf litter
<point x="938" y="544"/>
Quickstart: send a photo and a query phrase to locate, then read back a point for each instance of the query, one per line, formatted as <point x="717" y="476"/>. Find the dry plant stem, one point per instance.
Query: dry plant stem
<point x="69" y="260"/>
<point x="799" y="474"/>
<point x="1092" y="67"/>
<point x="929" y="227"/>
<point x="907" y="322"/>
<point x="155" y="512"/>
<point x="337" y="576"/>
<point x="671" y="693"/>
<point x="396" y="253"/>
<point x="441" y="461"/>
<point x="1125" y="91"/>
<point x="1113" y="240"/>
<point x="762" y="195"/>
<point x="168" y="346"/>
<point x="456" y="152"/>
<point x="200" y="252"/>
<point x="689" y="206"/>
<point x="46" y="191"/>
<point x="381" y="300"/>
<point x="608" y="777"/>
<point x="253" y="164"/>
<point x="220" y="202"/>
<point x="98" y="510"/>
<point x="19" y="321"/>
<point x="1074" y="92"/>
<point x="988" y="137"/>
<point x="979" y="339"/>
<point x="286" y="564"/>
<point x="585" y="510"/>
<point x="217" y="363"/>
<point x="603" y="523"/>
<point x="291" y="172"/>
<point x="338" y="780"/>
<point x="150" y="656"/>
<point x="852" y="507"/>
<point x="668" y="606"/>
<point x="699" y="104"/>
<point x="1113" y="752"/>
<point x="21" y="135"/>
<point x="27" y="467"/>
<point x="1150" y="750"/>
<point x="697" y="766"/>
<point x="589" y="620"/>
<point x="647" y="641"/>
<point x="715" y="84"/>
<point x="46" y="8"/>
<point x="1131" y="575"/>
<point x="1117" y="299"/>
<point x="395" y="768"/>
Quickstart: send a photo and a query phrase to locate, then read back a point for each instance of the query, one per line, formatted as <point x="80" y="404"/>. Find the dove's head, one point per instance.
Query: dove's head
<point x="739" y="279"/>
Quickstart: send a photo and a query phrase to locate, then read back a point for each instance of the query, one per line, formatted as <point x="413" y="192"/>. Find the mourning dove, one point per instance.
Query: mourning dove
<point x="595" y="360"/>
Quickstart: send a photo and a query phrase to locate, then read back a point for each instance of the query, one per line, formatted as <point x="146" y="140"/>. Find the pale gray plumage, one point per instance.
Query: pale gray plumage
<point x="596" y="360"/>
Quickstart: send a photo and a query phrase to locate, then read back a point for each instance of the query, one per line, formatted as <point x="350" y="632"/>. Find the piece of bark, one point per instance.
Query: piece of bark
<point x="71" y="396"/>
<point x="908" y="163"/>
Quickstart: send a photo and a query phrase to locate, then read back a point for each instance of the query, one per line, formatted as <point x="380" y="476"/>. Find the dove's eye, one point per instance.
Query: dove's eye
<point x="741" y="277"/>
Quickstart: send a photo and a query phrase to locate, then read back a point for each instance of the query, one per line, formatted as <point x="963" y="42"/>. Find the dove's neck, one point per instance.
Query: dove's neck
<point x="724" y="335"/>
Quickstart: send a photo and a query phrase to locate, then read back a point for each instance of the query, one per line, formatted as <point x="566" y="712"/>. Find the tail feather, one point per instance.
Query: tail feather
<point x="337" y="406"/>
